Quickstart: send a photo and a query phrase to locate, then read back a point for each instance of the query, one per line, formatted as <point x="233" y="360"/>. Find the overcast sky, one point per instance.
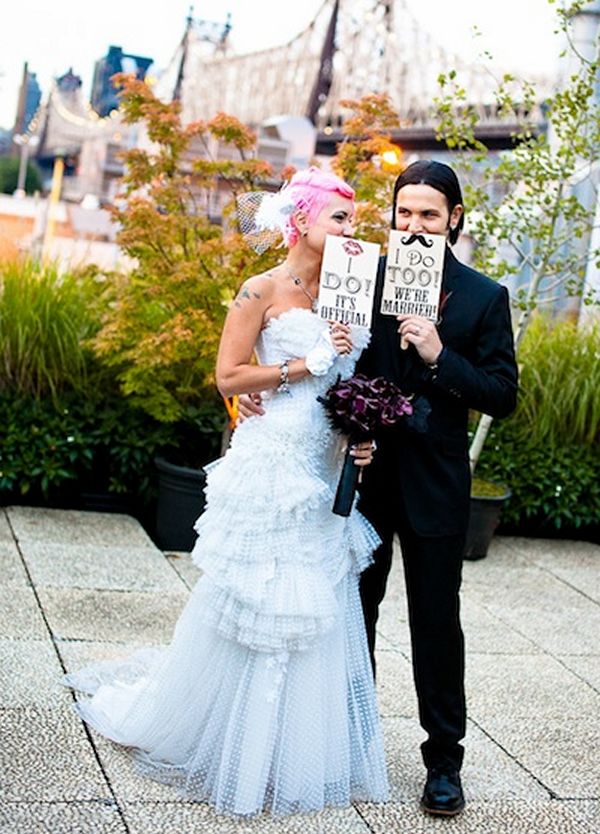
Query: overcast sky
<point x="54" y="35"/>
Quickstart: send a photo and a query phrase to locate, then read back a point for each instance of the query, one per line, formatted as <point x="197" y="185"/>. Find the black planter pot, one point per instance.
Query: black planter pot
<point x="180" y="501"/>
<point x="484" y="517"/>
<point x="104" y="501"/>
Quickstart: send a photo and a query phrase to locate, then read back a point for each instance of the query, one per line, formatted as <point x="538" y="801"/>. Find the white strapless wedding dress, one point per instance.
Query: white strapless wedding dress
<point x="265" y="699"/>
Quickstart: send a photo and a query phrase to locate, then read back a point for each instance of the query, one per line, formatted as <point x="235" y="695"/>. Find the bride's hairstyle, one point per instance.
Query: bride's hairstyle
<point x="310" y="191"/>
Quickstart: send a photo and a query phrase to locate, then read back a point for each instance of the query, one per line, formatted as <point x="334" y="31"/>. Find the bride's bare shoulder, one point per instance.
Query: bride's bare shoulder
<point x="257" y="288"/>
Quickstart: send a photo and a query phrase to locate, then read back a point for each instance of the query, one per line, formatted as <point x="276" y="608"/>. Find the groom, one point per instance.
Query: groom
<point x="418" y="484"/>
<point x="419" y="481"/>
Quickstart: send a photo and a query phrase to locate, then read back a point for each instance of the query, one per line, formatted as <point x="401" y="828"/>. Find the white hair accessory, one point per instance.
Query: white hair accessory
<point x="263" y="217"/>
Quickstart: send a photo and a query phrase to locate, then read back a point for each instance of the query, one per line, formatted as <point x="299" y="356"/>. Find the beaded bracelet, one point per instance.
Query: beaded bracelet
<point x="284" y="372"/>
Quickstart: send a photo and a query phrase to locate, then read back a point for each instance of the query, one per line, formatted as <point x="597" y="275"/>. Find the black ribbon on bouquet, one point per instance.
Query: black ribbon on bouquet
<point x="346" y="488"/>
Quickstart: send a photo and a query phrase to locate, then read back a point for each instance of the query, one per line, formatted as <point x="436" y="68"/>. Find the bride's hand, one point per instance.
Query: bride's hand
<point x="340" y="337"/>
<point x="363" y="452"/>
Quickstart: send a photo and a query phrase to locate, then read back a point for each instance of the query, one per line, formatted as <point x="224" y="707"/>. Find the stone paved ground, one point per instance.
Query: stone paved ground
<point x="76" y="586"/>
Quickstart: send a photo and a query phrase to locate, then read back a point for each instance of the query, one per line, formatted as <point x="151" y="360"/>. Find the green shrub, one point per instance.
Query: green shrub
<point x="45" y="320"/>
<point x="559" y="398"/>
<point x="548" y="451"/>
<point x="67" y="427"/>
<point x="9" y="175"/>
<point x="557" y="487"/>
<point x="57" y="450"/>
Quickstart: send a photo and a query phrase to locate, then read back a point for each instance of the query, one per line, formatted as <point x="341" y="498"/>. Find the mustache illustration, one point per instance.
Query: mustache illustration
<point x="408" y="240"/>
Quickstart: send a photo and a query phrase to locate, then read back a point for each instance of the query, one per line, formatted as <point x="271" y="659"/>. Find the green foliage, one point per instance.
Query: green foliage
<point x="528" y="198"/>
<point x="556" y="487"/>
<point x="559" y="396"/>
<point x="42" y="446"/>
<point x="66" y="426"/>
<point x="162" y="328"/>
<point x="549" y="449"/>
<point x="45" y="319"/>
<point x="9" y="175"/>
<point x="529" y="208"/>
<point x="55" y="450"/>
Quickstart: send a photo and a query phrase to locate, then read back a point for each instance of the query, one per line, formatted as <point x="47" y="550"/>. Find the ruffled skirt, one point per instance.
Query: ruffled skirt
<point x="246" y="730"/>
<point x="265" y="698"/>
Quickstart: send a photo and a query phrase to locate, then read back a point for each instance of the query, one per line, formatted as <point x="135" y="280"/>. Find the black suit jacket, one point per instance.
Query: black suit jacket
<point x="428" y="464"/>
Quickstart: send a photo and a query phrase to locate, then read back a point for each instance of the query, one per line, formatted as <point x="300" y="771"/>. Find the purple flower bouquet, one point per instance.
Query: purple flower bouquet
<point x="359" y="407"/>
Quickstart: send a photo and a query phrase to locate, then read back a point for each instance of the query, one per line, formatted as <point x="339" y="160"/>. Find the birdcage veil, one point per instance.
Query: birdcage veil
<point x="263" y="217"/>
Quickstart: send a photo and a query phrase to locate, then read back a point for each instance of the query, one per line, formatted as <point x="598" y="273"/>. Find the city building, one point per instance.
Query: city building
<point x="104" y="96"/>
<point x="28" y="101"/>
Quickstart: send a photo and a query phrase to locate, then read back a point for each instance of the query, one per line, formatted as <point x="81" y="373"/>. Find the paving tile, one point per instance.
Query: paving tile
<point x="184" y="566"/>
<point x="30" y="674"/>
<point x="485" y="633"/>
<point x="488" y="772"/>
<point x="587" y="812"/>
<point x="527" y="686"/>
<point x="402" y="739"/>
<point x="12" y="571"/>
<point x="393" y="615"/>
<point x="60" y="818"/>
<point x="574" y="563"/>
<point x="5" y="531"/>
<point x="112" y="616"/>
<point x="497" y="817"/>
<point x="504" y="551"/>
<point x="147" y="818"/>
<point x="20" y="614"/>
<point x="550" y="553"/>
<point x="584" y="579"/>
<point x="127" y="783"/>
<point x="522" y="587"/>
<point x="77" y="527"/>
<point x="556" y="617"/>
<point x="393" y="627"/>
<point x="45" y="756"/>
<point x="532" y="730"/>
<point x="395" y="687"/>
<point x="67" y="565"/>
<point x="77" y="653"/>
<point x="561" y="753"/>
<point x="558" y="630"/>
<point x="586" y="667"/>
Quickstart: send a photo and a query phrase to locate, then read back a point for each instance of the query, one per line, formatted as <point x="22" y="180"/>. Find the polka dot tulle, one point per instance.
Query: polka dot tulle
<point x="264" y="699"/>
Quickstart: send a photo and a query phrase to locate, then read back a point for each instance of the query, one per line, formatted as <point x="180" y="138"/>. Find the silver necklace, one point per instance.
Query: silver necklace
<point x="314" y="302"/>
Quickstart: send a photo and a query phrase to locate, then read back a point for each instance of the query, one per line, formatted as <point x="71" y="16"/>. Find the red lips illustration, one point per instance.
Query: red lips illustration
<point x="352" y="247"/>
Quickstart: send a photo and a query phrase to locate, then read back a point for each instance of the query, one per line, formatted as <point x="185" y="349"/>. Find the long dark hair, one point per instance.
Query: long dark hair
<point x="438" y="176"/>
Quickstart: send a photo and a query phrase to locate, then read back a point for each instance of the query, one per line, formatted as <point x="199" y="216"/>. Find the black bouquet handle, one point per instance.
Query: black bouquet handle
<point x="346" y="489"/>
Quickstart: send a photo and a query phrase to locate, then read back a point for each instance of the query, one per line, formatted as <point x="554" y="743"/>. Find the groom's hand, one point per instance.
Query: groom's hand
<point x="422" y="333"/>
<point x="249" y="405"/>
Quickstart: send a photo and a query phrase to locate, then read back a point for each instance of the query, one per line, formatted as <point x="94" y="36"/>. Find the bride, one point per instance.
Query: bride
<point x="265" y="698"/>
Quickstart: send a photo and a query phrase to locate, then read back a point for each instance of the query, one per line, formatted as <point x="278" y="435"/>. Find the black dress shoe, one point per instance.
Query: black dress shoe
<point x="443" y="795"/>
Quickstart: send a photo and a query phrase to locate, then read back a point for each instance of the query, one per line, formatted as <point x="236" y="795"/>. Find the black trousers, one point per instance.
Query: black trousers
<point x="432" y="569"/>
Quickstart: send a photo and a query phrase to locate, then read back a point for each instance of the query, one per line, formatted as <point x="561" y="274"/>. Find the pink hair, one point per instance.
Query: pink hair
<point x="310" y="191"/>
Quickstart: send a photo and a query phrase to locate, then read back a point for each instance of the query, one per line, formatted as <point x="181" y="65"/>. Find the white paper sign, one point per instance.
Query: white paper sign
<point x="413" y="275"/>
<point x="347" y="282"/>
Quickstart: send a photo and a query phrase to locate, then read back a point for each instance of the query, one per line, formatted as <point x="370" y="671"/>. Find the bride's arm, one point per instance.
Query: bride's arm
<point x="235" y="373"/>
<point x="246" y="316"/>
